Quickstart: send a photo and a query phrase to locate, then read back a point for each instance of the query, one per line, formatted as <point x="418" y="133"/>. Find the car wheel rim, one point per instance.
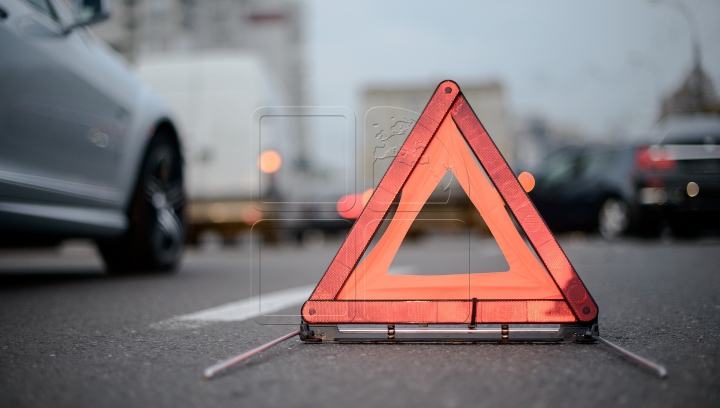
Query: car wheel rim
<point x="613" y="218"/>
<point x="163" y="191"/>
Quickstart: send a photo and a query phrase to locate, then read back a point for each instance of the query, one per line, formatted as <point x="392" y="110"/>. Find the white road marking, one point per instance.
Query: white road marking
<point x="245" y="309"/>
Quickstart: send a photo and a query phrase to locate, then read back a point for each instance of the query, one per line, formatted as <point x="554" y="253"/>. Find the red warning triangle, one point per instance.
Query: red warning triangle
<point x="542" y="289"/>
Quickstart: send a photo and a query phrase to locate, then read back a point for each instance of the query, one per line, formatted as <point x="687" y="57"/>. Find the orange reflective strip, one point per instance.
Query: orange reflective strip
<point x="436" y="312"/>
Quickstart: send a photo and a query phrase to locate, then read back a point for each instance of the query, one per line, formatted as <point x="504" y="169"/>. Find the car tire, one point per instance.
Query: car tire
<point x="613" y="218"/>
<point x="156" y="235"/>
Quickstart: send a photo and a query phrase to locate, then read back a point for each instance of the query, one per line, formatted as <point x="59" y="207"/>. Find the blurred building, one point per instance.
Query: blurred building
<point x="271" y="28"/>
<point x="697" y="93"/>
<point x="487" y="100"/>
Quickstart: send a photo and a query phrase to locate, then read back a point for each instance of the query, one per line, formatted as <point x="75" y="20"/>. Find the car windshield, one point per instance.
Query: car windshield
<point x="693" y="130"/>
<point x="560" y="167"/>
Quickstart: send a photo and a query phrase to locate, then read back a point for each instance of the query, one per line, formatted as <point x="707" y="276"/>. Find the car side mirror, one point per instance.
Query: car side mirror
<point x="88" y="12"/>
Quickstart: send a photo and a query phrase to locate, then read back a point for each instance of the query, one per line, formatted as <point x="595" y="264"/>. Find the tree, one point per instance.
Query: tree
<point x="696" y="94"/>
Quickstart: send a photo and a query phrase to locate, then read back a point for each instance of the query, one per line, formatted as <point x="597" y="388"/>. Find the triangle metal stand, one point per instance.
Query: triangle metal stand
<point x="575" y="333"/>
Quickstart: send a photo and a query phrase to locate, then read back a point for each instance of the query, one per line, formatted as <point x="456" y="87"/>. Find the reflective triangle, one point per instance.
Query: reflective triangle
<point x="535" y="290"/>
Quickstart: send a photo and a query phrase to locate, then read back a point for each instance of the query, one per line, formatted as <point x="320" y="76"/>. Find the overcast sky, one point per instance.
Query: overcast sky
<point x="601" y="66"/>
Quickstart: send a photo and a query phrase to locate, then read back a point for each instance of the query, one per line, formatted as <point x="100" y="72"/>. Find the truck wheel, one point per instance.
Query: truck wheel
<point x="155" y="239"/>
<point x="613" y="218"/>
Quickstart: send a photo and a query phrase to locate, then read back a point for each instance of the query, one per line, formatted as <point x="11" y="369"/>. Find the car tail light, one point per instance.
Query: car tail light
<point x="654" y="158"/>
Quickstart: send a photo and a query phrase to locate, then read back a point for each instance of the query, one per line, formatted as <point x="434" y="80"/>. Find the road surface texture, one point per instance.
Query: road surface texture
<point x="73" y="337"/>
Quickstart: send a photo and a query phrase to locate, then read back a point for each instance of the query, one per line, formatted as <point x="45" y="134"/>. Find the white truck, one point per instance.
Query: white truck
<point x="213" y="94"/>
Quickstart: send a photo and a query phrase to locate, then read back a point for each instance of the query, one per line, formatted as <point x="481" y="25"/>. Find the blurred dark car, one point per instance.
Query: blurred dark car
<point x="586" y="187"/>
<point x="637" y="188"/>
<point x="86" y="150"/>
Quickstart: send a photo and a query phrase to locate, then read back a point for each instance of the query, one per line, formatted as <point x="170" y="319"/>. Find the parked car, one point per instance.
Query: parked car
<point x="674" y="181"/>
<point x="85" y="149"/>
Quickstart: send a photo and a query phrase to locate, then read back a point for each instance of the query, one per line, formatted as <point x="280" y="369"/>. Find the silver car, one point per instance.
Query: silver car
<point x="85" y="149"/>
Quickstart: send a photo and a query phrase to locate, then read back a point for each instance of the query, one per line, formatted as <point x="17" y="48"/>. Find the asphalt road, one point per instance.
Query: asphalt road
<point x="73" y="337"/>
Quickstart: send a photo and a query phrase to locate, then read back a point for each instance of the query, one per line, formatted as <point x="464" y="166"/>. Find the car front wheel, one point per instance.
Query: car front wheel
<point x="155" y="239"/>
<point x="613" y="218"/>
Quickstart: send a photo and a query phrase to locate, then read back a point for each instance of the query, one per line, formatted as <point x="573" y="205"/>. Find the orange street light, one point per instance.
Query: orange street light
<point x="269" y="161"/>
<point x="527" y="181"/>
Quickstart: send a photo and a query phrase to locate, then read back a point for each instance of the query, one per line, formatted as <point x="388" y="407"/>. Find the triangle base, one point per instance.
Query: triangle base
<point x="577" y="333"/>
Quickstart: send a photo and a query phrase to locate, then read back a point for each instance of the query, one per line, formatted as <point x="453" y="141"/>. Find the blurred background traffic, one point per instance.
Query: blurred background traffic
<point x="135" y="123"/>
